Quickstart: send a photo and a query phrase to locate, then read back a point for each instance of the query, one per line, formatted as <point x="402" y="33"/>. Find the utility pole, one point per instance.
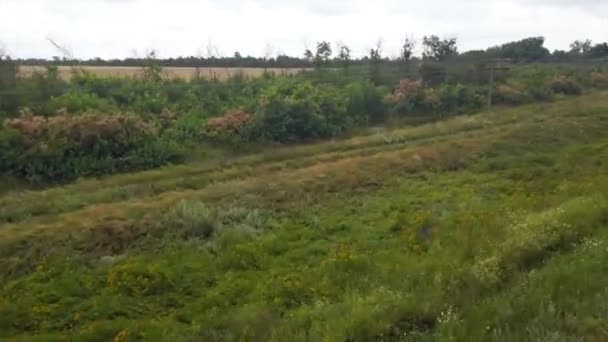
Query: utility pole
<point x="495" y="65"/>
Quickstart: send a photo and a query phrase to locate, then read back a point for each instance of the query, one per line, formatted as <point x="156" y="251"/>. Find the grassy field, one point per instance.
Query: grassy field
<point x="65" y="72"/>
<point x="489" y="227"/>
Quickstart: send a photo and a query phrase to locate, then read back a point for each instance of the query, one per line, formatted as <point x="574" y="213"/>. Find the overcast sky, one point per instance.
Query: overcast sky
<point x="128" y="28"/>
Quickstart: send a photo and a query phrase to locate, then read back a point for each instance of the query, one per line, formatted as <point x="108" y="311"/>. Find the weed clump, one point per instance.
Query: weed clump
<point x="193" y="220"/>
<point x="136" y="280"/>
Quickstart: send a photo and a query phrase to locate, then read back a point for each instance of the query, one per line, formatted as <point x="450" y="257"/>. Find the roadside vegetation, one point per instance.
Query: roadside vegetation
<point x="322" y="206"/>
<point x="57" y="131"/>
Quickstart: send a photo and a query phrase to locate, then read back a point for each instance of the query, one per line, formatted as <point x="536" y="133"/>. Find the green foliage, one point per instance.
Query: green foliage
<point x="8" y="82"/>
<point x="365" y="103"/>
<point x="526" y="50"/>
<point x="460" y="99"/>
<point x="581" y="47"/>
<point x="375" y="59"/>
<point x="234" y="128"/>
<point x="78" y="102"/>
<point x="291" y="112"/>
<point x="138" y="280"/>
<point x="323" y="54"/>
<point x="187" y="128"/>
<point x="439" y="49"/>
<point x="344" y="56"/>
<point x="535" y="81"/>
<point x="509" y="95"/>
<point x="565" y="85"/>
<point x="598" y="51"/>
<point x="432" y="73"/>
<point x="541" y="93"/>
<point x="152" y="70"/>
<point x="355" y="239"/>
<point x="191" y="219"/>
<point x="10" y="150"/>
<point x="65" y="147"/>
<point x="150" y="103"/>
<point x="35" y="92"/>
<point x="313" y="105"/>
<point x="599" y="79"/>
<point x="412" y="97"/>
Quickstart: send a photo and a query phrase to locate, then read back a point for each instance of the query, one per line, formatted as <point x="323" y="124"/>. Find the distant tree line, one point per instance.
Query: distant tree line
<point x="528" y="50"/>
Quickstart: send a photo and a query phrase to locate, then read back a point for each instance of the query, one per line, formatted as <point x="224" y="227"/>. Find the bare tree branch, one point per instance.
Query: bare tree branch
<point x="64" y="50"/>
<point x="3" y="51"/>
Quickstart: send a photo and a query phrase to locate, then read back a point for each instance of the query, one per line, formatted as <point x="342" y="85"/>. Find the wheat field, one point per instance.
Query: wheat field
<point x="187" y="73"/>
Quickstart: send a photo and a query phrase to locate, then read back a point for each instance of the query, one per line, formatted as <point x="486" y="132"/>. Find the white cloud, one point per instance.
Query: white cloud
<point x="115" y="28"/>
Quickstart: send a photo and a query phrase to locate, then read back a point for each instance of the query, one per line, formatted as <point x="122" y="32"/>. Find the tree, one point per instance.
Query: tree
<point x="598" y="51"/>
<point x="375" y="53"/>
<point x="309" y="55"/>
<point x="375" y="58"/>
<point x="344" y="56"/>
<point x="560" y="55"/>
<point x="268" y="52"/>
<point x="407" y="51"/>
<point x="581" y="47"/>
<point x="212" y="50"/>
<point x="153" y="70"/>
<point x="323" y="53"/>
<point x="526" y="50"/>
<point x="8" y="80"/>
<point x="439" y="49"/>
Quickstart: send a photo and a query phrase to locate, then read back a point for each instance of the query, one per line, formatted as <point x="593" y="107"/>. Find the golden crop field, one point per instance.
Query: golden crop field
<point x="187" y="73"/>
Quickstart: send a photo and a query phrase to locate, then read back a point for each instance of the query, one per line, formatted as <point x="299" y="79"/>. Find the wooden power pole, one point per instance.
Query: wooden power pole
<point x="495" y="65"/>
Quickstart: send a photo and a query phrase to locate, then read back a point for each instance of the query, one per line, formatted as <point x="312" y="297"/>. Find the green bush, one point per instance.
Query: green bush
<point x="36" y="91"/>
<point x="234" y="128"/>
<point x="541" y="93"/>
<point x="78" y="102"/>
<point x="304" y="107"/>
<point x="365" y="103"/>
<point x="10" y="149"/>
<point x="411" y="97"/>
<point x="432" y="73"/>
<point x="151" y="154"/>
<point x="565" y="85"/>
<point x="458" y="99"/>
<point x="8" y="81"/>
<point x="65" y="147"/>
<point x="599" y="79"/>
<point x="150" y="103"/>
<point x="187" y="128"/>
<point x="509" y="95"/>
<point x="292" y="111"/>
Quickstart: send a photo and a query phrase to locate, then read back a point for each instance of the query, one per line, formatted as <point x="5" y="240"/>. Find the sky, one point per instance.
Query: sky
<point x="131" y="28"/>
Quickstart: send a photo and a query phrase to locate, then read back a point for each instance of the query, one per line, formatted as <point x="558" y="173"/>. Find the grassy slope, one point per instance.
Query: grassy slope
<point x="488" y="227"/>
